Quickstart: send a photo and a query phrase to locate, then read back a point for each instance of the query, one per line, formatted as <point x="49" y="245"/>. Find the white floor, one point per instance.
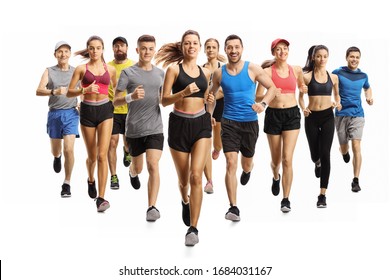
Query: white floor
<point x="48" y="237"/>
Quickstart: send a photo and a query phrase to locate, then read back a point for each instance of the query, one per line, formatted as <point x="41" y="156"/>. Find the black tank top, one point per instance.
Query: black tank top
<point x="315" y="88"/>
<point x="184" y="80"/>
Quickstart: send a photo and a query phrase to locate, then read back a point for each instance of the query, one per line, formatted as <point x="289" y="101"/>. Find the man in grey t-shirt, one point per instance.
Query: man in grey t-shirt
<point x="144" y="127"/>
<point x="63" y="117"/>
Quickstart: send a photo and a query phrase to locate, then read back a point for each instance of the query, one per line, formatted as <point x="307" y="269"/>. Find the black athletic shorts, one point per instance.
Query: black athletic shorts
<point x="277" y="120"/>
<point x="92" y="116"/>
<point x="183" y="132"/>
<point x="239" y="136"/>
<point x="119" y="124"/>
<point x="138" y="146"/>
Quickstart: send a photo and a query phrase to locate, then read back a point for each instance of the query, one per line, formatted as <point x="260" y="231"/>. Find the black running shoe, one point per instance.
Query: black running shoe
<point x="317" y="170"/>
<point x="92" y="189"/>
<point x="65" y="190"/>
<point x="245" y="178"/>
<point x="191" y="236"/>
<point x="321" y="203"/>
<point x="285" y="205"/>
<point x="185" y="214"/>
<point x="57" y="164"/>
<point x="102" y="204"/>
<point x="355" y="185"/>
<point x="346" y="157"/>
<point x="135" y="182"/>
<point x="233" y="214"/>
<point x="126" y="158"/>
<point x="114" y="182"/>
<point x="275" y="186"/>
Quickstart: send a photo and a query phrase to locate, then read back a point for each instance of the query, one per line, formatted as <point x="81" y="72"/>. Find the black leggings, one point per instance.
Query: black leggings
<point x="319" y="128"/>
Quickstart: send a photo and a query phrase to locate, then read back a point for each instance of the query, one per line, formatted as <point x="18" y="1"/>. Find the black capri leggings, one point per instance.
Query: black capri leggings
<point x="319" y="128"/>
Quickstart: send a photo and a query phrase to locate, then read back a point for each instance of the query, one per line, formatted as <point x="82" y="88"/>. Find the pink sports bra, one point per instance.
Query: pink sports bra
<point x="289" y="84"/>
<point x="102" y="81"/>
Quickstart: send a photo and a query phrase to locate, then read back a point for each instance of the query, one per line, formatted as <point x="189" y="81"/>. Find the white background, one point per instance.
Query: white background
<point x="45" y="237"/>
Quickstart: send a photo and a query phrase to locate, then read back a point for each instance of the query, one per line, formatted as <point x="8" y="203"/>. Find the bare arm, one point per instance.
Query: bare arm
<point x="215" y="88"/>
<point x="266" y="82"/>
<point x="259" y="92"/>
<point x="74" y="91"/>
<point x="303" y="91"/>
<point x="368" y="94"/>
<point x="336" y="95"/>
<point x="42" y="90"/>
<point x="112" y="71"/>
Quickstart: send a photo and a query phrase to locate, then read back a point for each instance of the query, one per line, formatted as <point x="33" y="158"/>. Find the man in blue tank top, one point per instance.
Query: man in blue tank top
<point x="63" y="117"/>
<point x="239" y="124"/>
<point x="349" y="120"/>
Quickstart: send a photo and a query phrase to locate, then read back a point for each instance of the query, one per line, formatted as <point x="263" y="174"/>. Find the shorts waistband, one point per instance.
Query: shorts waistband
<point x="96" y="103"/>
<point x="281" y="109"/>
<point x="188" y="115"/>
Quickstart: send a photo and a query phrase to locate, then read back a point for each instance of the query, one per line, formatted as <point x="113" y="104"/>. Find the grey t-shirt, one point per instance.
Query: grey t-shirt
<point x="144" y="115"/>
<point x="59" y="78"/>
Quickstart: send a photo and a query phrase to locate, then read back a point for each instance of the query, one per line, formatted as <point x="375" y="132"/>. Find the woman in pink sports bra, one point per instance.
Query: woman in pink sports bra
<point x="282" y="119"/>
<point x="96" y="113"/>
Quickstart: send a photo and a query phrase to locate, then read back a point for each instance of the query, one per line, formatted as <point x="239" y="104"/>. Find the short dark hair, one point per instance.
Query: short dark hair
<point x="352" y="49"/>
<point x="146" y="38"/>
<point x="233" y="37"/>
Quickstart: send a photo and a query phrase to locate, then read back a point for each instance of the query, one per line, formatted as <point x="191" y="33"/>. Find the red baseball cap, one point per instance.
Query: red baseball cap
<point x="277" y="41"/>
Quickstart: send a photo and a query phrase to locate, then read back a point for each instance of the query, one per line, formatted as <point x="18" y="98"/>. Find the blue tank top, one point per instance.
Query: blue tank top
<point x="239" y="95"/>
<point x="315" y="88"/>
<point x="184" y="80"/>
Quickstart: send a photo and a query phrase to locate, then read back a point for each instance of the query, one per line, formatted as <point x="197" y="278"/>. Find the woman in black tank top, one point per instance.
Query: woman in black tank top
<point x="189" y="130"/>
<point x="319" y="117"/>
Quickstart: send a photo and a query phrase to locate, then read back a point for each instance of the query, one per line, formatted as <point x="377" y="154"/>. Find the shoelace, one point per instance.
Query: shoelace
<point x="114" y="179"/>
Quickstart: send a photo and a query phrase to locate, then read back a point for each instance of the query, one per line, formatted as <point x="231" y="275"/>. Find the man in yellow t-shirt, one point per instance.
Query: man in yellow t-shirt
<point x="120" y="62"/>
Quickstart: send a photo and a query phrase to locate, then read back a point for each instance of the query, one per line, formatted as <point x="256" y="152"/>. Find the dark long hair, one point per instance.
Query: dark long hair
<point x="84" y="53"/>
<point x="172" y="52"/>
<point x="310" y="64"/>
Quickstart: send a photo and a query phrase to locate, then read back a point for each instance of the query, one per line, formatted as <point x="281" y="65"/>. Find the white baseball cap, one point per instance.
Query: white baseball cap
<point x="60" y="44"/>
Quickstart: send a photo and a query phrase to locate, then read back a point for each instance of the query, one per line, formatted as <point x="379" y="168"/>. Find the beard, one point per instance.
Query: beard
<point x="120" y="56"/>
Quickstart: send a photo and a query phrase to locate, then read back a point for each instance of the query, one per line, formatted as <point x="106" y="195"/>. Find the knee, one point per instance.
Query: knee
<point x="195" y="179"/>
<point x="287" y="162"/>
<point x="152" y="167"/>
<point x="231" y="165"/>
<point x="113" y="143"/>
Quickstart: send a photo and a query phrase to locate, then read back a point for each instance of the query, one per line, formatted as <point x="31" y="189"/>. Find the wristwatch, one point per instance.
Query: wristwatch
<point x="263" y="104"/>
<point x="52" y="92"/>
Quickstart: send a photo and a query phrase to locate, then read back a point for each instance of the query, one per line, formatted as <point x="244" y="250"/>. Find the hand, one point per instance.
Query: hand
<point x="93" y="88"/>
<point x="190" y="89"/>
<point x="337" y="106"/>
<point x="210" y="98"/>
<point x="370" y="101"/>
<point x="306" y="112"/>
<point x="61" y="91"/>
<point x="258" y="108"/>
<point x="303" y="89"/>
<point x="139" y="93"/>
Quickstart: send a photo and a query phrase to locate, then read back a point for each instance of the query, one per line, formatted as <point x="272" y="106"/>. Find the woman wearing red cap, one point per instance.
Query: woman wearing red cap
<point x="282" y="119"/>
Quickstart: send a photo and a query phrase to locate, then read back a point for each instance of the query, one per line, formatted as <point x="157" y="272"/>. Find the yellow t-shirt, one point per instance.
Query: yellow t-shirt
<point x="119" y="67"/>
